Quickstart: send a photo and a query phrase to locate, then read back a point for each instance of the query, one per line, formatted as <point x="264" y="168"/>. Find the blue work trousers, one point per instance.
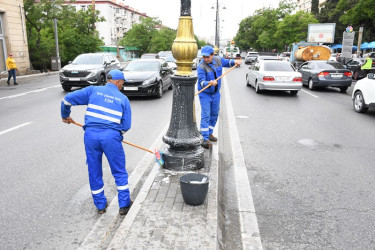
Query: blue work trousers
<point x="210" y="105"/>
<point x="107" y="141"/>
<point x="11" y="73"/>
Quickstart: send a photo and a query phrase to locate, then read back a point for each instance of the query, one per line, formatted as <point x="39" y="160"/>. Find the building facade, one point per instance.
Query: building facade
<point x="13" y="37"/>
<point x="305" y="5"/>
<point x="118" y="18"/>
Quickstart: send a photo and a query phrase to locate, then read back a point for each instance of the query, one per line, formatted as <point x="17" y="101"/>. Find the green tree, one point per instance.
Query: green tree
<point x="76" y="33"/>
<point x="315" y="7"/>
<point x="293" y="28"/>
<point x="162" y="40"/>
<point x="140" y="35"/>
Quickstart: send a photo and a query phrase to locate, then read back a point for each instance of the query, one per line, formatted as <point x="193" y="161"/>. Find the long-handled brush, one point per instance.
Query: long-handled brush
<point x="158" y="154"/>
<point x="209" y="85"/>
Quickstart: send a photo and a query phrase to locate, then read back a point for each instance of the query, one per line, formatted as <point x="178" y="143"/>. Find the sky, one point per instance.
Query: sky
<point x="168" y="11"/>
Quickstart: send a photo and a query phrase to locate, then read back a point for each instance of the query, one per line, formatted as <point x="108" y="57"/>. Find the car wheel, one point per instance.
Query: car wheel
<point x="247" y="81"/>
<point x="293" y="92"/>
<point x="311" y="84"/>
<point x="66" y="88"/>
<point x="359" y="103"/>
<point x="343" y="89"/>
<point x="170" y="87"/>
<point x="102" y="80"/>
<point x="160" y="90"/>
<point x="257" y="90"/>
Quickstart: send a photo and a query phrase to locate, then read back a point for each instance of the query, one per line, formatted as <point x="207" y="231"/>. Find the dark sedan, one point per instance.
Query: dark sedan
<point x="147" y="77"/>
<point x="355" y="65"/>
<point x="325" y="74"/>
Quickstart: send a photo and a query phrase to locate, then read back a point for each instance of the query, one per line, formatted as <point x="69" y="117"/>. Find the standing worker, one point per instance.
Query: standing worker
<point x="11" y="67"/>
<point x="366" y="67"/>
<point x="108" y="117"/>
<point x="209" y="69"/>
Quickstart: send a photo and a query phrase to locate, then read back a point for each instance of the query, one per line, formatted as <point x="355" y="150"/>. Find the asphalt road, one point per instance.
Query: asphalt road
<point x="310" y="161"/>
<point x="45" y="196"/>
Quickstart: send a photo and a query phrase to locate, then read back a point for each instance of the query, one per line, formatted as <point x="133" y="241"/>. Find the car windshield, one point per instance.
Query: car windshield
<point x="170" y="58"/>
<point x="88" y="59"/>
<point x="329" y="65"/>
<point x="272" y="66"/>
<point x="140" y="65"/>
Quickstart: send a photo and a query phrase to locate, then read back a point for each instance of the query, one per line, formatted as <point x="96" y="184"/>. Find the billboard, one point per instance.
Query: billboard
<point x="321" y="32"/>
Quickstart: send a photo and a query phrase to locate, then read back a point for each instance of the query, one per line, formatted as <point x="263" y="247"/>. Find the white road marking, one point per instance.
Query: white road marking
<point x="307" y="92"/>
<point x="29" y="92"/>
<point x="248" y="220"/>
<point x="14" y="128"/>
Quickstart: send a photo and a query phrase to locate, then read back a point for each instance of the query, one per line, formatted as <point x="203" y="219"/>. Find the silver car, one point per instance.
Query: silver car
<point x="274" y="75"/>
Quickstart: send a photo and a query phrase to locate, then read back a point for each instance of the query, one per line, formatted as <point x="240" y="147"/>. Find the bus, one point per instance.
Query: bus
<point x="232" y="53"/>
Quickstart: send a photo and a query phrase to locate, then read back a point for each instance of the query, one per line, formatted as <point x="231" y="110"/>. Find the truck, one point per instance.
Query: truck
<point x="307" y="51"/>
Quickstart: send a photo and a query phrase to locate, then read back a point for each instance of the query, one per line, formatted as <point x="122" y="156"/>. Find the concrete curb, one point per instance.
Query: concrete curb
<point x="248" y="222"/>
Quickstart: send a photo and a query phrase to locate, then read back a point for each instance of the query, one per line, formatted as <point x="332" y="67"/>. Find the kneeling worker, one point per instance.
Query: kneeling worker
<point x="108" y="117"/>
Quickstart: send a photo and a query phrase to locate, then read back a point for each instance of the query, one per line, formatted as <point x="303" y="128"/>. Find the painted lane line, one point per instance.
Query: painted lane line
<point x="29" y="92"/>
<point x="248" y="221"/>
<point x="307" y="92"/>
<point x="14" y="128"/>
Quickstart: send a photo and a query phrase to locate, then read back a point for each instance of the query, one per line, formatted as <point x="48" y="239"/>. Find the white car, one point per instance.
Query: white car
<point x="274" y="75"/>
<point x="364" y="94"/>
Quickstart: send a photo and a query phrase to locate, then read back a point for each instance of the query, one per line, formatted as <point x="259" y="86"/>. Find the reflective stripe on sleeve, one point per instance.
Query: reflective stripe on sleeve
<point x="211" y="127"/>
<point x="202" y="84"/>
<point x="111" y="111"/>
<point x="204" y="129"/>
<point x="104" y="117"/>
<point x="66" y="102"/>
<point x="97" y="191"/>
<point x="123" y="187"/>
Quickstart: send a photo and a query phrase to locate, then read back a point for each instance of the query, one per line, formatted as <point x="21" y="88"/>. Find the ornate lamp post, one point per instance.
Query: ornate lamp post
<point x="183" y="138"/>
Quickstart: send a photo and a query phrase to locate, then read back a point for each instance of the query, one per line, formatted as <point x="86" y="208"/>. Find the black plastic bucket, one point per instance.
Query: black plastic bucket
<point x="194" y="188"/>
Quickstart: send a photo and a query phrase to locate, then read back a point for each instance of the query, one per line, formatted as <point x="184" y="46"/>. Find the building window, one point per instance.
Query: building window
<point x="83" y="7"/>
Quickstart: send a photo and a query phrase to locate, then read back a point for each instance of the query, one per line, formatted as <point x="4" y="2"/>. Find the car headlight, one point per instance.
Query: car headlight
<point x="149" y="81"/>
<point x="61" y="72"/>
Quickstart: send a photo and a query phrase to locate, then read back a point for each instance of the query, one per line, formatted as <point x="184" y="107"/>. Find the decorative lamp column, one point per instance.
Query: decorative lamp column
<point x="184" y="151"/>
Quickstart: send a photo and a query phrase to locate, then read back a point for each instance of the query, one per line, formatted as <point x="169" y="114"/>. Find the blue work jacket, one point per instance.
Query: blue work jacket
<point x="107" y="107"/>
<point x="206" y="73"/>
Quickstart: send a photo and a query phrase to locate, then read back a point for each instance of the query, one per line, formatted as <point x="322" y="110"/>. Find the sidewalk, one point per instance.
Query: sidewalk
<point x="24" y="78"/>
<point x="159" y="218"/>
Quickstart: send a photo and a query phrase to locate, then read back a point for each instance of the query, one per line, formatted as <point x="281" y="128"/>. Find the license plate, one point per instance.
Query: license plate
<point x="283" y="78"/>
<point x="336" y="75"/>
<point x="74" y="79"/>
<point x="131" y="88"/>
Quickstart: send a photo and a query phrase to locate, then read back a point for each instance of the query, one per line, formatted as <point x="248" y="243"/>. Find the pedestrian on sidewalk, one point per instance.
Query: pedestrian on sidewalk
<point x="12" y="68"/>
<point x="209" y="69"/>
<point x="108" y="117"/>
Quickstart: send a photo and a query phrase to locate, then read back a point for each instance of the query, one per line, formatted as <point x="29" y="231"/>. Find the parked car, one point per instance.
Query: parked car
<point x="284" y="56"/>
<point x="274" y="75"/>
<point x="164" y="53"/>
<point x="259" y="58"/>
<point x="354" y="65"/>
<point x="88" y="69"/>
<point x="150" y="56"/>
<point x="325" y="74"/>
<point x="364" y="94"/>
<point x="197" y="60"/>
<point x="171" y="62"/>
<point x="251" y="57"/>
<point x="147" y="77"/>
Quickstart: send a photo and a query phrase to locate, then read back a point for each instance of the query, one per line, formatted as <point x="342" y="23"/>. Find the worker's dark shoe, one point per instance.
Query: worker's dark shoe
<point x="125" y="210"/>
<point x="103" y="210"/>
<point x="8" y="83"/>
<point x="212" y="138"/>
<point x="16" y="83"/>
<point x="206" y="144"/>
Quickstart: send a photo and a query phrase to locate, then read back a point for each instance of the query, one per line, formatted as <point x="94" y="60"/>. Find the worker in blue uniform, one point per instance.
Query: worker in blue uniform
<point x="209" y="69"/>
<point x="107" y="118"/>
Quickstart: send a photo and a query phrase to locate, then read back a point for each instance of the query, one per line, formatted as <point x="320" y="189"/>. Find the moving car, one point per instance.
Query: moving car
<point x="150" y="56"/>
<point x="171" y="62"/>
<point x="284" y="56"/>
<point x="197" y="60"/>
<point x="259" y="58"/>
<point x="333" y="57"/>
<point x="364" y="94"/>
<point x="251" y="57"/>
<point x="325" y="74"/>
<point x="274" y="75"/>
<point x="88" y="69"/>
<point x="147" y="77"/>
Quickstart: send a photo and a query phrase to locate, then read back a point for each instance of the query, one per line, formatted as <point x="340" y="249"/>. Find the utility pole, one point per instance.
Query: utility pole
<point x="56" y="63"/>
<point x="360" y="33"/>
<point x="217" y="40"/>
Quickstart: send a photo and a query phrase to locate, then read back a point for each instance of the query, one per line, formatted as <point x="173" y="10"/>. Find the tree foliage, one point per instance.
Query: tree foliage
<point x="76" y="34"/>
